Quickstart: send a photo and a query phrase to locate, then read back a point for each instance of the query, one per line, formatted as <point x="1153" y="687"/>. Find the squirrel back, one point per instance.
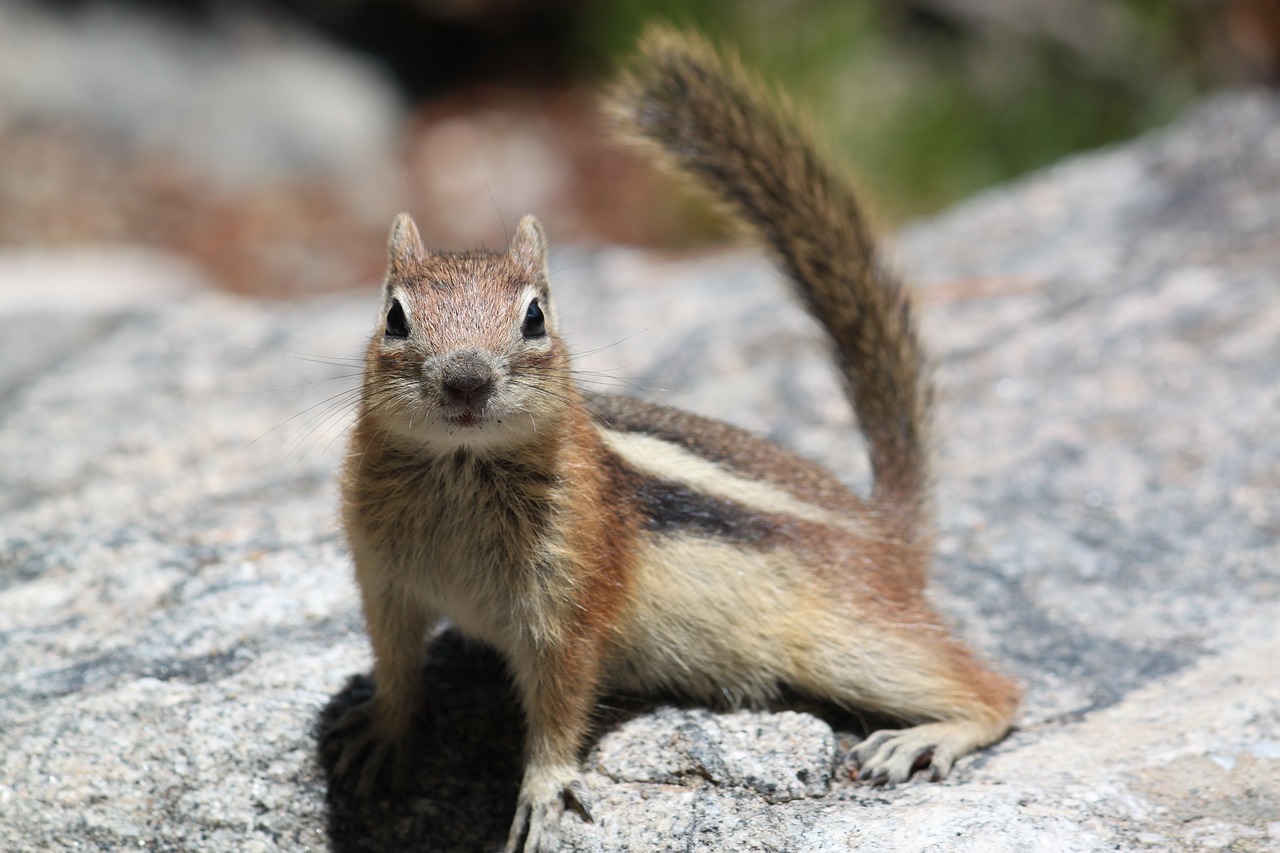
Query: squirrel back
<point x="707" y="119"/>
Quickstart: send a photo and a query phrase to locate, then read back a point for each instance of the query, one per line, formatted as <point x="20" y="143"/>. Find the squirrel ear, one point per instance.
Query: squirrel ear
<point x="404" y="246"/>
<point x="529" y="246"/>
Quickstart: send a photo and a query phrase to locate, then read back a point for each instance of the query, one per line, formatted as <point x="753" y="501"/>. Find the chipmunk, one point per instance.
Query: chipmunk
<point x="606" y="543"/>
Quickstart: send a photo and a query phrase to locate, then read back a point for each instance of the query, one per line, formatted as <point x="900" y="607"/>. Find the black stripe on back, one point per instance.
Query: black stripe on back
<point x="670" y="508"/>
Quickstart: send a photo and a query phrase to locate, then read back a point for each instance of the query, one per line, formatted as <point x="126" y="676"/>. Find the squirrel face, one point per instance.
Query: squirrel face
<point x="466" y="353"/>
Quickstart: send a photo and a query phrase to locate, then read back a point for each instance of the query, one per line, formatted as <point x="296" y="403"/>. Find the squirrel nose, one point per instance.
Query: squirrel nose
<point x="468" y="378"/>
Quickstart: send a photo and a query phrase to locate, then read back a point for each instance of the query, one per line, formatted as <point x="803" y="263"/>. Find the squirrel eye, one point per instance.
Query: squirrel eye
<point x="534" y="322"/>
<point x="397" y="324"/>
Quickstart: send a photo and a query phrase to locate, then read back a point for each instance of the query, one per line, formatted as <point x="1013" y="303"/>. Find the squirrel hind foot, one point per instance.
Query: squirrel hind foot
<point x="892" y="756"/>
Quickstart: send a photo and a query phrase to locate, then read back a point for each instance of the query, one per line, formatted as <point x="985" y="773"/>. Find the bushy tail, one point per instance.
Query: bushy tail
<point x="709" y="120"/>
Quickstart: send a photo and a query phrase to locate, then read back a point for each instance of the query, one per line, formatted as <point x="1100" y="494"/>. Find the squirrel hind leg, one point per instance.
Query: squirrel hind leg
<point x="913" y="671"/>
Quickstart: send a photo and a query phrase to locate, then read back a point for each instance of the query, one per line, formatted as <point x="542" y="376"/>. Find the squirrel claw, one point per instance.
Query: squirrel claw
<point x="889" y="757"/>
<point x="544" y="798"/>
<point x="575" y="801"/>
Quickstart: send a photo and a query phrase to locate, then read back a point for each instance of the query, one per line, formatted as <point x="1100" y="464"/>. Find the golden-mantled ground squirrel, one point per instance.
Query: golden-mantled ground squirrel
<point x="605" y="543"/>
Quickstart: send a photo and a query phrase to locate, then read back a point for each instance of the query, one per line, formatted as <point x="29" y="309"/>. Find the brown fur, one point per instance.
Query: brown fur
<point x="735" y="448"/>
<point x="706" y="118"/>
<point x="604" y="543"/>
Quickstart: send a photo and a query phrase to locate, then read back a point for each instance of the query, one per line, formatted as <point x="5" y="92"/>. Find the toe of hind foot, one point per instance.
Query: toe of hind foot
<point x="891" y="757"/>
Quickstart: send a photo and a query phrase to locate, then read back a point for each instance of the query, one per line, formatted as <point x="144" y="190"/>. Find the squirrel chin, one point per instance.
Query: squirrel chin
<point x="471" y="432"/>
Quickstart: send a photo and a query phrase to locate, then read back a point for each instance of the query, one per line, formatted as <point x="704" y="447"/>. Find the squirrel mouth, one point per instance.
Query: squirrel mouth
<point x="465" y="418"/>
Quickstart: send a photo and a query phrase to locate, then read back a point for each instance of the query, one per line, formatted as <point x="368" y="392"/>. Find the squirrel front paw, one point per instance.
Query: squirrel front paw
<point x="363" y="753"/>
<point x="545" y="795"/>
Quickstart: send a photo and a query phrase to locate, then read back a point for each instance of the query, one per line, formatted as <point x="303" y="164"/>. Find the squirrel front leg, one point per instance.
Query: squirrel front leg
<point x="373" y="733"/>
<point x="558" y="683"/>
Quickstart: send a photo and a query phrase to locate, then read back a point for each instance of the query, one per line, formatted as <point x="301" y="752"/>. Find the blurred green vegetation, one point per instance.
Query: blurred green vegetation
<point x="932" y="100"/>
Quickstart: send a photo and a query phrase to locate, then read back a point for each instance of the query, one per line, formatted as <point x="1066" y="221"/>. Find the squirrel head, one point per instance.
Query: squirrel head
<point x="467" y="354"/>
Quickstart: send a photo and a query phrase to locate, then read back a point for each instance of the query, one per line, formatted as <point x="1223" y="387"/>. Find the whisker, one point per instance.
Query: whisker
<point x="346" y="429"/>
<point x="558" y="270"/>
<point x="621" y="382"/>
<point x="343" y="393"/>
<point x="637" y="332"/>
<point x="311" y="382"/>
<point x="599" y="379"/>
<point x="319" y="424"/>
<point x="506" y="238"/>
<point x="333" y="360"/>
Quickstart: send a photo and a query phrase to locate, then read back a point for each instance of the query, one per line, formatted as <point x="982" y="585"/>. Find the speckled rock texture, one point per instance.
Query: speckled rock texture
<point x="177" y="618"/>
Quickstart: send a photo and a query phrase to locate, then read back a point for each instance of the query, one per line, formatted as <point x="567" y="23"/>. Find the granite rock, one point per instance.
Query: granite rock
<point x="178" y="620"/>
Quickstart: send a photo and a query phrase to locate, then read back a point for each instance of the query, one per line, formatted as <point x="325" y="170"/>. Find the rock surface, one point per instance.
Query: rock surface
<point x="177" y="616"/>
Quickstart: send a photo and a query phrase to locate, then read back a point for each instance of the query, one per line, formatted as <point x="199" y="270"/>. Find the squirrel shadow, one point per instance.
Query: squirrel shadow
<point x="467" y="760"/>
<point x="468" y="755"/>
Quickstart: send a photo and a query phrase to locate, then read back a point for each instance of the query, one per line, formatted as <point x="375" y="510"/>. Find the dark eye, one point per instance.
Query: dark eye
<point x="397" y="325"/>
<point x="535" y="325"/>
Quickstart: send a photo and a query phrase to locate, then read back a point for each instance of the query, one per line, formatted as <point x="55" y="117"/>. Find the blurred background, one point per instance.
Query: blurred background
<point x="272" y="142"/>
